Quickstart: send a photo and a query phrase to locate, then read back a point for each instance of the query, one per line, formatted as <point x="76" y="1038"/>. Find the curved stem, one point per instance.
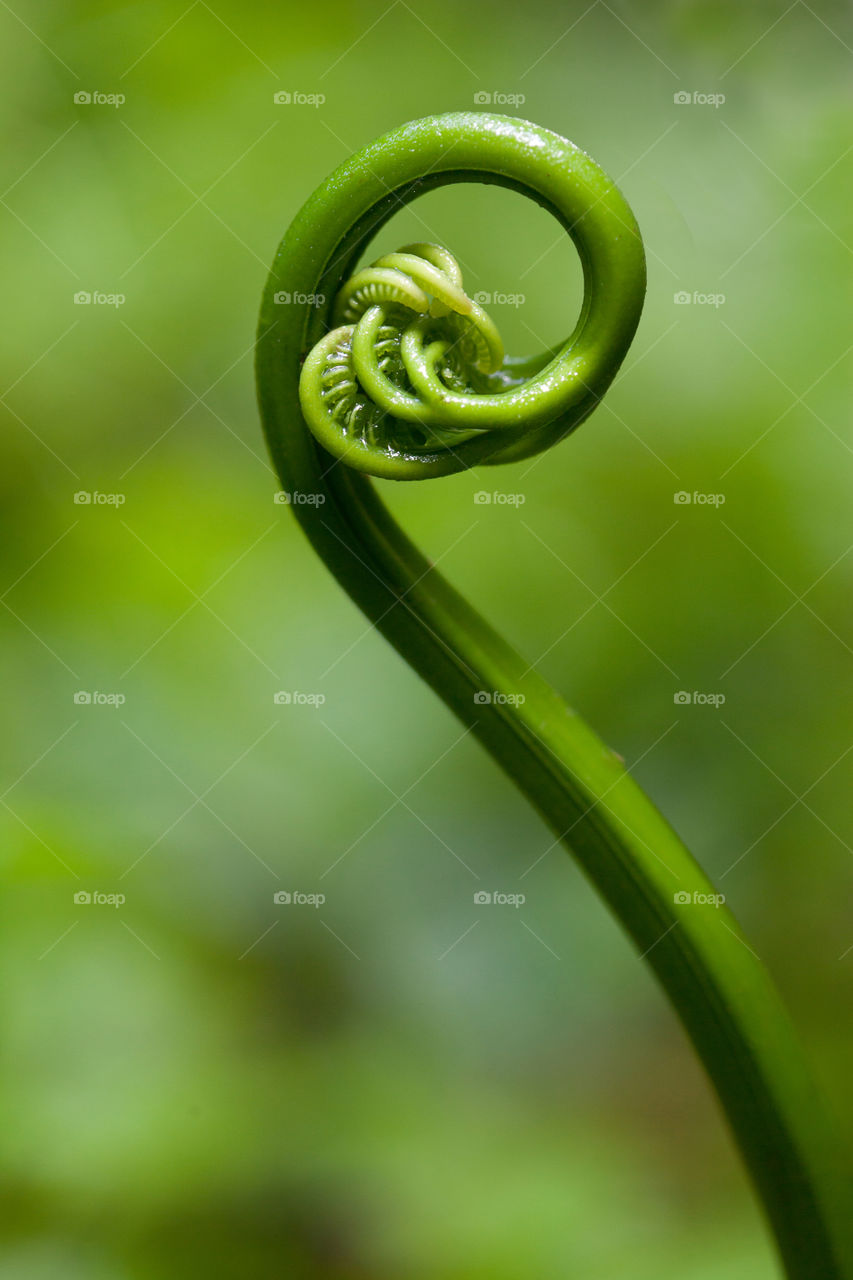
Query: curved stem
<point x="716" y="984"/>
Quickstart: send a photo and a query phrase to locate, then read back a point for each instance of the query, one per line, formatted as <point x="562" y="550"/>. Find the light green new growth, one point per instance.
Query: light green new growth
<point x="398" y="374"/>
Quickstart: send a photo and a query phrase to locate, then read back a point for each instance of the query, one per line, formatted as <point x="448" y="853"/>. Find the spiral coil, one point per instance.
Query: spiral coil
<point x="403" y="375"/>
<point x="406" y="334"/>
<point x="389" y="370"/>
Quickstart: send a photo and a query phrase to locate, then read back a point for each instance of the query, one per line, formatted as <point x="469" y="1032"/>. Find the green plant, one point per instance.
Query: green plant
<point x="411" y="383"/>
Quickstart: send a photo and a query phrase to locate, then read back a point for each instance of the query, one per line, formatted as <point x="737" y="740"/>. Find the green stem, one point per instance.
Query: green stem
<point x="716" y="984"/>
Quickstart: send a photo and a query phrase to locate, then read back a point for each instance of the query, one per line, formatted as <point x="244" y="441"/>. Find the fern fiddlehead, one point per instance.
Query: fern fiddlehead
<point x="401" y="372"/>
<point x="392" y="371"/>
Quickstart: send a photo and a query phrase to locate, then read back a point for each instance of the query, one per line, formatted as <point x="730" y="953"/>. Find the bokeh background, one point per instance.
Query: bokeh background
<point x="202" y="1082"/>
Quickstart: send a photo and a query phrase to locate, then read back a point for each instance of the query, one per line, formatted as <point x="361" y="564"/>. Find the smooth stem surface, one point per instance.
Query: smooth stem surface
<point x="716" y="984"/>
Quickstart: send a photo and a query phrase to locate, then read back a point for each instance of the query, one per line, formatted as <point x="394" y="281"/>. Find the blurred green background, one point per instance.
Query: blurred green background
<point x="200" y="1082"/>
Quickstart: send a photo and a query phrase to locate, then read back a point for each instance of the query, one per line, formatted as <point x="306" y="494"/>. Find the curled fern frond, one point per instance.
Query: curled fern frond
<point x="392" y="371"/>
